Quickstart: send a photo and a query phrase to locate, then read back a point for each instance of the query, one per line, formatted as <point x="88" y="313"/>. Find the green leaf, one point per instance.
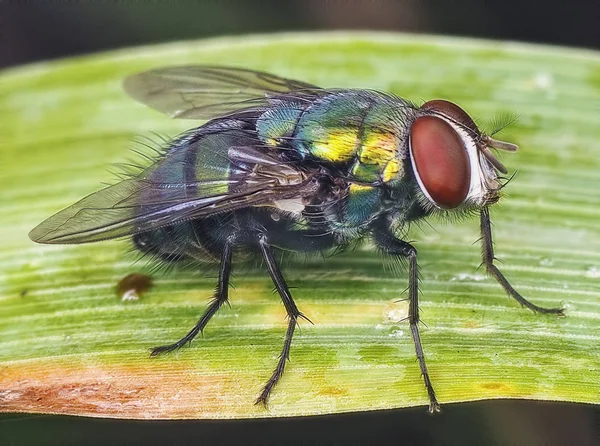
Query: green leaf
<point x="69" y="345"/>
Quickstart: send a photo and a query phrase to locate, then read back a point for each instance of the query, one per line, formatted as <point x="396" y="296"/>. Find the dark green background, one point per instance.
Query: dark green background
<point x="499" y="422"/>
<point x="42" y="29"/>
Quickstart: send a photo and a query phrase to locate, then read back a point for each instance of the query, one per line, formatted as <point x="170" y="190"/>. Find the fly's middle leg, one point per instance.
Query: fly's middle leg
<point x="390" y="244"/>
<point x="220" y="297"/>
<point x="292" y="312"/>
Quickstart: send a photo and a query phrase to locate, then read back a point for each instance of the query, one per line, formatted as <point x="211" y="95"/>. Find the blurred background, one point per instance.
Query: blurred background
<point x="33" y="30"/>
<point x="45" y="29"/>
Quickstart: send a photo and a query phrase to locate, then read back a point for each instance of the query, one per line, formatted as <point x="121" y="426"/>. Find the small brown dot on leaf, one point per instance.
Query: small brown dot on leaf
<point x="133" y="286"/>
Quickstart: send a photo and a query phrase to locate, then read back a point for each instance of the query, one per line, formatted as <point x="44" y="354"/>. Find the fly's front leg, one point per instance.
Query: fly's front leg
<point x="390" y="244"/>
<point x="220" y="297"/>
<point x="488" y="260"/>
<point x="292" y="312"/>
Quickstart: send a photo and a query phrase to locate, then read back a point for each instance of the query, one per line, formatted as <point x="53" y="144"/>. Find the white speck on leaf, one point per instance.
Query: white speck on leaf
<point x="463" y="277"/>
<point x="396" y="333"/>
<point x="543" y="81"/>
<point x="593" y="272"/>
<point x="130" y="295"/>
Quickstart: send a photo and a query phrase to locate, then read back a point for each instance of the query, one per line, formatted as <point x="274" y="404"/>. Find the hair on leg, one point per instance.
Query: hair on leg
<point x="488" y="259"/>
<point x="390" y="244"/>
<point x="292" y="312"/>
<point x="220" y="297"/>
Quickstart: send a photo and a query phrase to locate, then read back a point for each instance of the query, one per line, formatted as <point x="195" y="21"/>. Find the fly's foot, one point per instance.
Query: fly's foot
<point x="541" y="310"/>
<point x="263" y="398"/>
<point x="434" y="407"/>
<point x="155" y="351"/>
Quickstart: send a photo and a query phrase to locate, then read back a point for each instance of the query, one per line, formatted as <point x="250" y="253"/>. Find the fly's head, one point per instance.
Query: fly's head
<point x="451" y="158"/>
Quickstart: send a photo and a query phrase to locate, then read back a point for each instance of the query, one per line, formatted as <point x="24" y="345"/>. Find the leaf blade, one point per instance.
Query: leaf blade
<point x="69" y="346"/>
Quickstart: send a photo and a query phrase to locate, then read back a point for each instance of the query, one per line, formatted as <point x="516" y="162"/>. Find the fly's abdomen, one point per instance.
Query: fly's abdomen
<point x="197" y="169"/>
<point x="276" y="126"/>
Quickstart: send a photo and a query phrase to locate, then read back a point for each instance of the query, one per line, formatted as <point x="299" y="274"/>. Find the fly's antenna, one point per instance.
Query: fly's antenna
<point x="488" y="142"/>
<point x="500" y="145"/>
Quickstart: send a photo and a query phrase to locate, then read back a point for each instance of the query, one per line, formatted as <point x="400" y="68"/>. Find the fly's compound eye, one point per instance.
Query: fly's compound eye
<point x="452" y="111"/>
<point x="440" y="161"/>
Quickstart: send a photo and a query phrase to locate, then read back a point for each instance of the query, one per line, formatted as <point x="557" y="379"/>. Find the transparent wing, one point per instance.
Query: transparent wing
<point x="205" y="177"/>
<point x="202" y="92"/>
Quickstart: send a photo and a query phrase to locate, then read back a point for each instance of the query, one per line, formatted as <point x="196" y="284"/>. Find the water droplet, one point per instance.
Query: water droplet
<point x="543" y="81"/>
<point x="396" y="332"/>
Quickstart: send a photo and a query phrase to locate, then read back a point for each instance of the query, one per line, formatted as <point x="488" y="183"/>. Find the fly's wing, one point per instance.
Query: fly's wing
<point x="203" y="92"/>
<point x="218" y="172"/>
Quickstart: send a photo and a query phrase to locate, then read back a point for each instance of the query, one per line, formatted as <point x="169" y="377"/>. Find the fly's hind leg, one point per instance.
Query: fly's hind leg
<point x="220" y="297"/>
<point x="390" y="244"/>
<point x="293" y="314"/>
<point x="488" y="260"/>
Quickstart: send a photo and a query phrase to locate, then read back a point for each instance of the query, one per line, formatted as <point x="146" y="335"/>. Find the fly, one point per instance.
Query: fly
<point x="286" y="165"/>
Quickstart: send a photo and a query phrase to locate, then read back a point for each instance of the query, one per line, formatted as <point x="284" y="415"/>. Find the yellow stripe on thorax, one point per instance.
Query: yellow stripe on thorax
<point x="357" y="188"/>
<point x="378" y="158"/>
<point x="339" y="145"/>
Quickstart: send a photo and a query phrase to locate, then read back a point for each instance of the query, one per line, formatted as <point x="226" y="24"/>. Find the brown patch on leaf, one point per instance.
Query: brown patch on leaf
<point x="156" y="390"/>
<point x="471" y="324"/>
<point x="495" y="386"/>
<point x="333" y="391"/>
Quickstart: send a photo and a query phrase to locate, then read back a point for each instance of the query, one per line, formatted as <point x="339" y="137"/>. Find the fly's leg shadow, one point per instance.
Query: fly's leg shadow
<point x="488" y="260"/>
<point x="292" y="312"/>
<point x="221" y="296"/>
<point x="390" y="244"/>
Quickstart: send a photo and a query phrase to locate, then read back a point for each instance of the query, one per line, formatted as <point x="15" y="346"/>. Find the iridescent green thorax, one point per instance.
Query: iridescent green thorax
<point x="361" y="132"/>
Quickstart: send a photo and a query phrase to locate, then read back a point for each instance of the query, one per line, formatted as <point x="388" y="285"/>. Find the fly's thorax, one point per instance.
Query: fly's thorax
<point x="450" y="159"/>
<point x="359" y="132"/>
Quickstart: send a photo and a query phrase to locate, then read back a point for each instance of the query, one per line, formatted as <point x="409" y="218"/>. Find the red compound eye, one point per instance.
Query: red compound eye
<point x="441" y="161"/>
<point x="451" y="110"/>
